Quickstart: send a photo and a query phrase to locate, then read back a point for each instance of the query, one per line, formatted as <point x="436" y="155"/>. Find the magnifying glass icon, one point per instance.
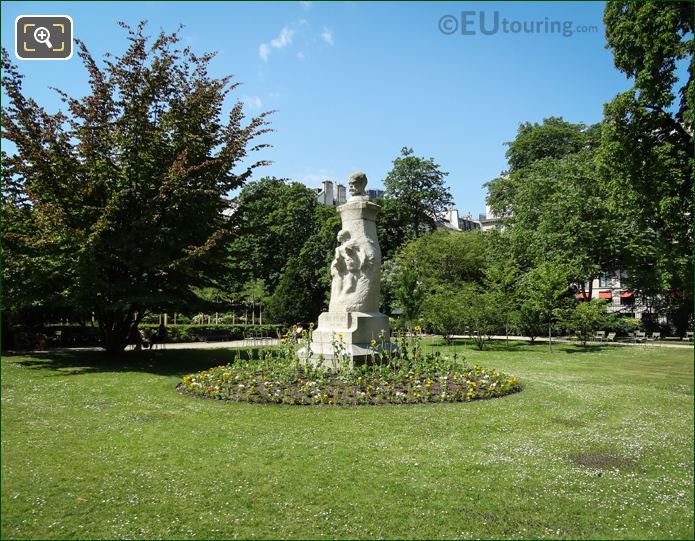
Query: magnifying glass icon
<point x="42" y="35"/>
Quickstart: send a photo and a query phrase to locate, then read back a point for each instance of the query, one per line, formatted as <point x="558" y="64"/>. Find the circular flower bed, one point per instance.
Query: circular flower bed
<point x="403" y="379"/>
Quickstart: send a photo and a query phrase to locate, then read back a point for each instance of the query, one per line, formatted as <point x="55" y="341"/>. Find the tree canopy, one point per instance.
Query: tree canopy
<point x="646" y="155"/>
<point x="415" y="193"/>
<point x="117" y="204"/>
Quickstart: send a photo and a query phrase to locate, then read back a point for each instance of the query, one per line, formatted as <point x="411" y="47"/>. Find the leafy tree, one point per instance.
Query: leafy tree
<point x="585" y="317"/>
<point x="119" y="200"/>
<point x="479" y="312"/>
<point x="530" y="318"/>
<point x="439" y="260"/>
<point x="409" y="293"/>
<point x="272" y="221"/>
<point x="501" y="278"/>
<point x="555" y="138"/>
<point x="444" y="257"/>
<point x="414" y="194"/>
<point x="444" y="312"/>
<point x="303" y="289"/>
<point x="254" y="293"/>
<point x="646" y="152"/>
<point x="544" y="290"/>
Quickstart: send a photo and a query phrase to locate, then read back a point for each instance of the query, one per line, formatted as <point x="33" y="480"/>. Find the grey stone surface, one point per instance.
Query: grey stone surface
<point x="353" y="316"/>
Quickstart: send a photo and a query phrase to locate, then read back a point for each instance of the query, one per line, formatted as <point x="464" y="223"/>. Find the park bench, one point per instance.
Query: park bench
<point x="652" y="337"/>
<point x="599" y="336"/>
<point x="688" y="336"/>
<point x="640" y="336"/>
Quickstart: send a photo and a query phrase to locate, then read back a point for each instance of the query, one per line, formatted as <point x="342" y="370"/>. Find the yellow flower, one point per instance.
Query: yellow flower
<point x="418" y="328"/>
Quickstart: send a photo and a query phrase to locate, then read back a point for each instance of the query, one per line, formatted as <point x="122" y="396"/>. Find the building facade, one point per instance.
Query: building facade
<point x="611" y="288"/>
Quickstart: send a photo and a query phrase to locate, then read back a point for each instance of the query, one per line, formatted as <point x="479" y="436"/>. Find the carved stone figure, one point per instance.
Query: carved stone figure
<point x="353" y="311"/>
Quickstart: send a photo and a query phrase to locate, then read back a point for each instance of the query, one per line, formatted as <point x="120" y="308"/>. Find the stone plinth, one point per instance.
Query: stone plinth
<point x="355" y="330"/>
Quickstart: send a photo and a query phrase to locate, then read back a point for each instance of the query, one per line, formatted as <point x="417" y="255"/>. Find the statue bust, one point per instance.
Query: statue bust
<point x="357" y="182"/>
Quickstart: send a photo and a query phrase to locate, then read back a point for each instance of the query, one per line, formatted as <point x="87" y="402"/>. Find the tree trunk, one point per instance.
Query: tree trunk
<point x="115" y="329"/>
<point x="550" y="337"/>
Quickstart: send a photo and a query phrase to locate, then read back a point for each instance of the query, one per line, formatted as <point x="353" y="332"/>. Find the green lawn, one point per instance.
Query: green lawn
<point x="599" y="444"/>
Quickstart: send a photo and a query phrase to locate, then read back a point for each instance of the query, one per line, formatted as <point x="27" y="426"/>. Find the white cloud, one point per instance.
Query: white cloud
<point x="305" y="5"/>
<point x="284" y="39"/>
<point x="280" y="42"/>
<point x="264" y="51"/>
<point x="327" y="36"/>
<point x="300" y="55"/>
<point x="252" y="102"/>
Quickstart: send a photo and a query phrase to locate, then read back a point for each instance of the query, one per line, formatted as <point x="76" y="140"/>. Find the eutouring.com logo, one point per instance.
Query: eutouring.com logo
<point x="470" y="23"/>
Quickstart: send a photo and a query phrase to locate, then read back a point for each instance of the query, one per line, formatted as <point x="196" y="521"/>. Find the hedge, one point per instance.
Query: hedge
<point x="85" y="336"/>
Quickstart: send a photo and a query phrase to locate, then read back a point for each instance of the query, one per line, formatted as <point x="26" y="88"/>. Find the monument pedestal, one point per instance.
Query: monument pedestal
<point x="351" y="331"/>
<point x="353" y="319"/>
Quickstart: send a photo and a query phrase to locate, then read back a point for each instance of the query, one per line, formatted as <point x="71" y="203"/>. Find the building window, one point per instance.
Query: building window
<point x="604" y="280"/>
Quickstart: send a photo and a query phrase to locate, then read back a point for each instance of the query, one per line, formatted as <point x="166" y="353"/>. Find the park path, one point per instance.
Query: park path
<point x="275" y="342"/>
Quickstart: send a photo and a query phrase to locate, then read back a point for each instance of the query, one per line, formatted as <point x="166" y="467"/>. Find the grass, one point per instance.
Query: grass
<point x="598" y="445"/>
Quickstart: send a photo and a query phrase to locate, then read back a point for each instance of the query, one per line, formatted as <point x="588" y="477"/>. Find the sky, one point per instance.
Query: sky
<point x="352" y="83"/>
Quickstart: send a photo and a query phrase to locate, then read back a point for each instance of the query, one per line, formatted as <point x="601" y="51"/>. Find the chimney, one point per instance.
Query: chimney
<point x="341" y="196"/>
<point x="328" y="192"/>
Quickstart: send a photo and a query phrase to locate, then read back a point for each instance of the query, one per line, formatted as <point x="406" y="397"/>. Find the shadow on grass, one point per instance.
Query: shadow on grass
<point x="175" y="362"/>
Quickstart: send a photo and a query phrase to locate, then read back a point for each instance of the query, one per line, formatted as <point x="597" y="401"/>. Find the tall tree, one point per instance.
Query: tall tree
<point x="415" y="193"/>
<point x="302" y="291"/>
<point x="125" y="188"/>
<point x="272" y="221"/>
<point x="646" y="153"/>
<point x="554" y="138"/>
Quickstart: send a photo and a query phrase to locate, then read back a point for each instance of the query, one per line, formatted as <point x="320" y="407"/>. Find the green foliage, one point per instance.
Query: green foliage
<point x="301" y="294"/>
<point x="626" y="325"/>
<point x="199" y="333"/>
<point x="116" y="204"/>
<point x="554" y="138"/>
<point x="585" y="317"/>
<point x="445" y="314"/>
<point x="560" y="213"/>
<point x="646" y="157"/>
<point x="501" y="279"/>
<point x="543" y="290"/>
<point x="285" y="238"/>
<point x="414" y="194"/>
<point x="272" y="221"/>
<point x="437" y="262"/>
<point x="444" y="257"/>
<point x="480" y="313"/>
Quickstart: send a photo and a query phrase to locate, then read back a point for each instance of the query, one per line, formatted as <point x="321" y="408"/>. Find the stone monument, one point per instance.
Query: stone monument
<point x="353" y="316"/>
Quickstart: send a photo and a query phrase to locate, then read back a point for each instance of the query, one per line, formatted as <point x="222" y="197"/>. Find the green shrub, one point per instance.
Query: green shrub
<point x="199" y="333"/>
